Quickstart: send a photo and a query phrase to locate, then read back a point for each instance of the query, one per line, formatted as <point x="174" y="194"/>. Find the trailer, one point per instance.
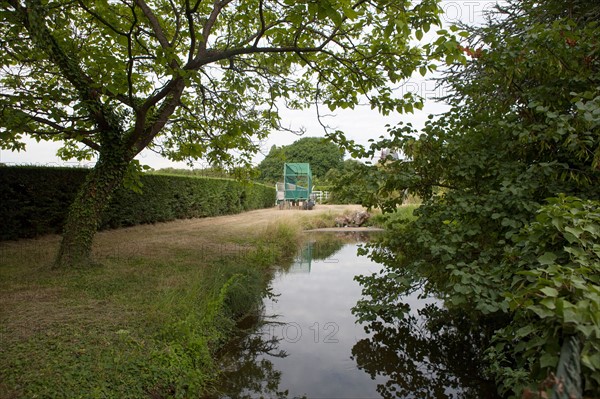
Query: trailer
<point x="296" y="188"/>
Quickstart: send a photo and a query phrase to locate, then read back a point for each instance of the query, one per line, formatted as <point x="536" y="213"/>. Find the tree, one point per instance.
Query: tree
<point x="511" y="182"/>
<point x="188" y="78"/>
<point x="347" y="183"/>
<point x="322" y="156"/>
<point x="270" y="169"/>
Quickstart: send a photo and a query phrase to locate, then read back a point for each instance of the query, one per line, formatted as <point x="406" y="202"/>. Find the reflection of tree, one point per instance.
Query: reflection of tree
<point x="430" y="356"/>
<point x="328" y="244"/>
<point x="324" y="249"/>
<point x="314" y="251"/>
<point x="247" y="372"/>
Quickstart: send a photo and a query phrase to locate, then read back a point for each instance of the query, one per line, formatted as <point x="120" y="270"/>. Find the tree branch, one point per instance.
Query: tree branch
<point x="177" y="23"/>
<point x="154" y="24"/>
<point x="131" y="58"/>
<point x="189" y="14"/>
<point x="218" y="6"/>
<point x="160" y="118"/>
<point x="100" y="18"/>
<point x="263" y="28"/>
<point x="69" y="133"/>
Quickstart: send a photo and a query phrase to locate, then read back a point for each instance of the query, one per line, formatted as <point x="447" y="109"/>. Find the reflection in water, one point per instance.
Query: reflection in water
<point x="306" y="343"/>
<point x="314" y="250"/>
<point x="431" y="355"/>
<point x="248" y="372"/>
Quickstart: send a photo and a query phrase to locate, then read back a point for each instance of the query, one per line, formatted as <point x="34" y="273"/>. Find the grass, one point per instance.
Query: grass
<point x="401" y="215"/>
<point x="147" y="323"/>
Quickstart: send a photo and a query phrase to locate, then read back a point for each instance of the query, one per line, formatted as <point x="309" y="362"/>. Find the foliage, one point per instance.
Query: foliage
<point x="270" y="169"/>
<point x="509" y="178"/>
<point x="556" y="291"/>
<point x="201" y="324"/>
<point x="322" y="156"/>
<point x="35" y="200"/>
<point x="347" y="183"/>
<point x="205" y="172"/>
<point x="362" y="183"/>
<point x="395" y="220"/>
<point x="190" y="79"/>
<point x="427" y="354"/>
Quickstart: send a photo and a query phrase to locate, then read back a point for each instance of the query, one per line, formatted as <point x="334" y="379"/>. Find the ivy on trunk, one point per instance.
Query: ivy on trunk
<point x="86" y="211"/>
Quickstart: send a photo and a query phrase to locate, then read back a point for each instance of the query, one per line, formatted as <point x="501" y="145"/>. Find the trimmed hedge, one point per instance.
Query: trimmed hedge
<point x="35" y="200"/>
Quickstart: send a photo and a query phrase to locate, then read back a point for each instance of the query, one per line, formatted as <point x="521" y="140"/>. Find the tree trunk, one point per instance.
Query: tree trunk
<point x="86" y="211"/>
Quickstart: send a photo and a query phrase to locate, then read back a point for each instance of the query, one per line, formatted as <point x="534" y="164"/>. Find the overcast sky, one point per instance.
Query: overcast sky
<point x="360" y="124"/>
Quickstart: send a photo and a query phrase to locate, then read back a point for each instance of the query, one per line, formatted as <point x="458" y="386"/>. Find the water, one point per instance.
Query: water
<point x="320" y="330"/>
<point x="308" y="343"/>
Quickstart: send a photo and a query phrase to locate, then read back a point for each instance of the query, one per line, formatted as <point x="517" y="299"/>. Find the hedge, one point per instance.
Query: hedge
<point x="35" y="200"/>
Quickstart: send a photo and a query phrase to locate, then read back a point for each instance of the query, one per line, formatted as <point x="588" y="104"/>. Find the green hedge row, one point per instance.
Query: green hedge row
<point x="35" y="200"/>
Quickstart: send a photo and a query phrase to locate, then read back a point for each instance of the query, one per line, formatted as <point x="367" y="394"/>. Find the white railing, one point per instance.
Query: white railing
<point x="320" y="196"/>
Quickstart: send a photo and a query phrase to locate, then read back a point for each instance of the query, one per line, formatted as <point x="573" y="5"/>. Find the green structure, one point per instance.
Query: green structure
<point x="297" y="184"/>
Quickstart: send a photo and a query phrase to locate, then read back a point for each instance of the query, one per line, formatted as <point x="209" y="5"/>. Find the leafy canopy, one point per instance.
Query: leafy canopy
<point x="190" y="78"/>
<point x="193" y="79"/>
<point x="347" y="183"/>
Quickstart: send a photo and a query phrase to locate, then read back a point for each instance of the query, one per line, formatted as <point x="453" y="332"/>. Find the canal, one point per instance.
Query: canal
<point x="306" y="343"/>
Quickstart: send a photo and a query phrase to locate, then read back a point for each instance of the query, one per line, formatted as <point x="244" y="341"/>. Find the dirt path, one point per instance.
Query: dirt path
<point x="256" y="218"/>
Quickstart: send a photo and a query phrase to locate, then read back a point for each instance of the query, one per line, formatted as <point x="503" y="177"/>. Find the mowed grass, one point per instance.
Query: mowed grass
<point x="147" y="321"/>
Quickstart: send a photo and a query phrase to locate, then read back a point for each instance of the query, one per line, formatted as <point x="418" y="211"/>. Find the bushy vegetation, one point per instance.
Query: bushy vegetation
<point x="395" y="220"/>
<point x="508" y="233"/>
<point x="35" y="200"/>
<point x="204" y="172"/>
<point x="347" y="183"/>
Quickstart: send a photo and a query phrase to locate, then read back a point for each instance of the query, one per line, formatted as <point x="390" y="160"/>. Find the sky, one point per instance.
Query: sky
<point x="360" y="124"/>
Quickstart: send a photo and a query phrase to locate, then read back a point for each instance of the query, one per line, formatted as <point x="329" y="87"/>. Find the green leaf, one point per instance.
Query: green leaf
<point x="549" y="302"/>
<point x="576" y="231"/>
<point x="570" y="315"/>
<point x="525" y="331"/>
<point x="541" y="312"/>
<point x="549" y="291"/>
<point x="591" y="361"/>
<point x="350" y="13"/>
<point x="547" y="258"/>
<point x="548" y="360"/>
<point x="588" y="330"/>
